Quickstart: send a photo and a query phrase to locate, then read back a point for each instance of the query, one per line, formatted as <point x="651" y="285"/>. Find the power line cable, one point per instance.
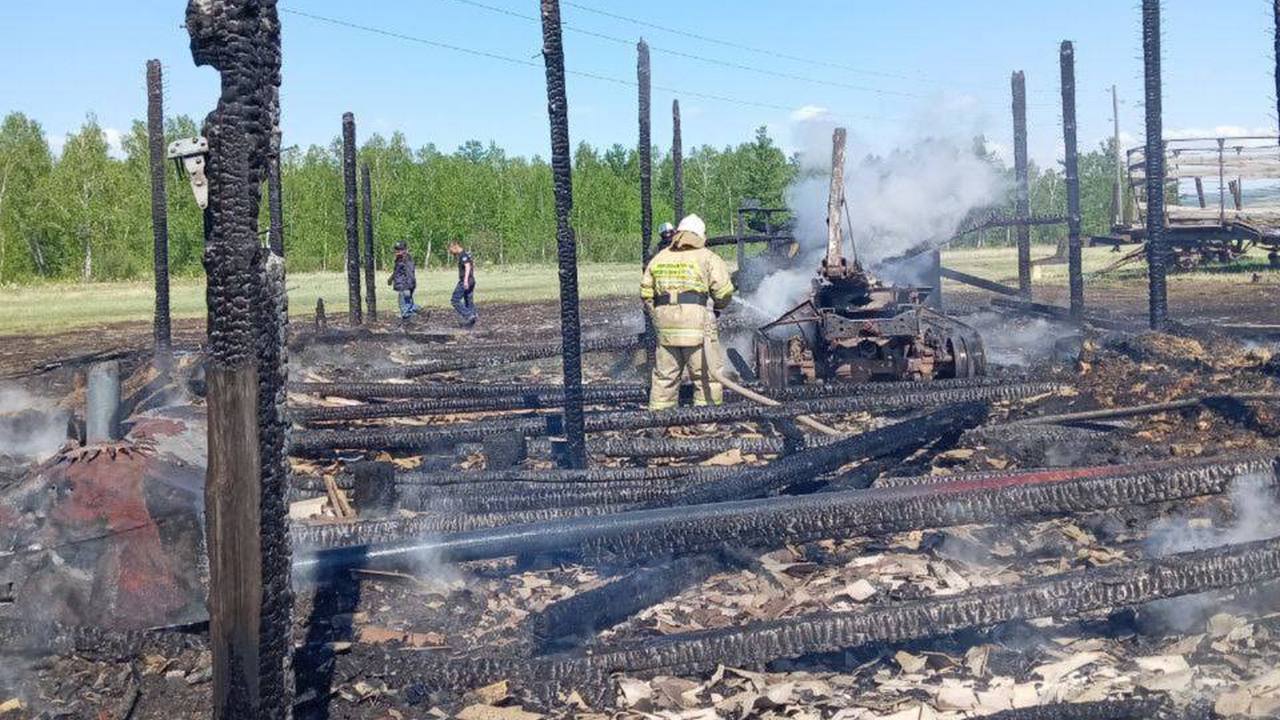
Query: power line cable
<point x="530" y="63"/>
<point x="761" y="51"/>
<point x="693" y="56"/>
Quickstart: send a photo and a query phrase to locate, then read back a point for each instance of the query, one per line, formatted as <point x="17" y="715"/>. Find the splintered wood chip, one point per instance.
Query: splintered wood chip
<point x="1054" y="672"/>
<point x="858" y="590"/>
<point x="377" y="634"/>
<point x="732" y="456"/>
<point x="955" y="696"/>
<point x="975" y="659"/>
<point x="489" y="694"/>
<point x="908" y="662"/>
<point x="1163" y="663"/>
<point x="489" y="712"/>
<point x="634" y="691"/>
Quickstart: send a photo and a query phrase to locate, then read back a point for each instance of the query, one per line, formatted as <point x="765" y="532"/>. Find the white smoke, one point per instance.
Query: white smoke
<point x="920" y="191"/>
<point x="31" y="428"/>
<point x="1254" y="509"/>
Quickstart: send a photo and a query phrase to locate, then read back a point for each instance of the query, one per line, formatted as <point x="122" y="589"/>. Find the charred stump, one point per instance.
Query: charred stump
<point x="370" y="282"/>
<point x="677" y="163"/>
<point x="246" y="530"/>
<point x="1022" y="199"/>
<point x="1157" y="252"/>
<point x="1071" y="165"/>
<point x="566" y="246"/>
<point x="159" y="207"/>
<point x="353" y="234"/>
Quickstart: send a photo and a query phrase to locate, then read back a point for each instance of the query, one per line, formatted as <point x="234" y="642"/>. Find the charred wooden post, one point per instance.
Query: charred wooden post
<point x="1276" y="53"/>
<point x="159" y="207"/>
<point x="677" y="163"/>
<point x="1022" y="198"/>
<point x="1075" y="273"/>
<point x="645" y="150"/>
<point x="247" y="536"/>
<point x="354" y="314"/>
<point x="366" y="204"/>
<point x="566" y="245"/>
<point x="275" y="201"/>
<point x="1157" y="250"/>
<point x="322" y="322"/>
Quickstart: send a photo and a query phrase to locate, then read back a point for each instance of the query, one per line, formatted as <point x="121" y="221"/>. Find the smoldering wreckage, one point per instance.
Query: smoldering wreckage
<point x="1071" y="517"/>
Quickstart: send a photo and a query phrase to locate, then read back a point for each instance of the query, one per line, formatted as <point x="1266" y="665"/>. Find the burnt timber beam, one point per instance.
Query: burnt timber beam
<point x="354" y="313"/>
<point x="565" y="623"/>
<point x="981" y="283"/>
<point x="250" y="603"/>
<point x="1022" y="202"/>
<point x="566" y="246"/>
<point x="666" y="532"/>
<point x="1157" y="243"/>
<point x="1069" y="594"/>
<point x="159" y="209"/>
<point x="366" y="207"/>
<point x="1071" y="168"/>
<point x="420" y="439"/>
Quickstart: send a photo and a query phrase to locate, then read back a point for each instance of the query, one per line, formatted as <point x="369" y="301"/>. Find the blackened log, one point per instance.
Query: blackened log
<point x="462" y="391"/>
<point x="1157" y="244"/>
<point x="1071" y="168"/>
<point x="249" y="622"/>
<point x="1021" y="193"/>
<point x="159" y="208"/>
<point x="677" y="163"/>
<point x="1070" y="594"/>
<point x="810" y="463"/>
<point x="566" y="623"/>
<point x="591" y="475"/>
<point x="366" y="206"/>
<point x="640" y="534"/>
<point x="566" y="245"/>
<point x="354" y="313"/>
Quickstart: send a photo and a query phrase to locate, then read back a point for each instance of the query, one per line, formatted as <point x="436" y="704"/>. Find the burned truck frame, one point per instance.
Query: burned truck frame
<point x="755" y="224"/>
<point x="853" y="327"/>
<point x="1199" y="227"/>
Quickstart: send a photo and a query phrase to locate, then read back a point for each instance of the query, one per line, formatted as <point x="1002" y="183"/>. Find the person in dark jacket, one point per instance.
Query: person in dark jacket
<point x="461" y="299"/>
<point x="404" y="281"/>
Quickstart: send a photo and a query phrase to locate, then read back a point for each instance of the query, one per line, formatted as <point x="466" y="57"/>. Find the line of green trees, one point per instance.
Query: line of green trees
<point x="85" y="214"/>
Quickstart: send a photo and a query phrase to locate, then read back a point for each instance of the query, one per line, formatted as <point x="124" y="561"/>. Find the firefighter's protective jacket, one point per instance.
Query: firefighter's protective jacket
<point x="676" y="285"/>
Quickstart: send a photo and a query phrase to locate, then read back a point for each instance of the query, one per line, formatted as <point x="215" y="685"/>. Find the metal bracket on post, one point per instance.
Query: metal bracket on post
<point x="188" y="154"/>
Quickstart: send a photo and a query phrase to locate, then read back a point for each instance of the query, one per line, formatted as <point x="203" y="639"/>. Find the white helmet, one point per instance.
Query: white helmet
<point x="666" y="229"/>
<point x="693" y="223"/>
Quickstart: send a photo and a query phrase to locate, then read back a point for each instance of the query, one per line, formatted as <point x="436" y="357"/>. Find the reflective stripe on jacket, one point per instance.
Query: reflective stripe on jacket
<point x="684" y="266"/>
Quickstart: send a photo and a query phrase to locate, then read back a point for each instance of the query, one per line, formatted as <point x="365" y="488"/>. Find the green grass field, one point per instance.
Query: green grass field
<point x="54" y="308"/>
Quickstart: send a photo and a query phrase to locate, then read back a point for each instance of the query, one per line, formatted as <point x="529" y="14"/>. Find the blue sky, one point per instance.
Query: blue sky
<point x="888" y="71"/>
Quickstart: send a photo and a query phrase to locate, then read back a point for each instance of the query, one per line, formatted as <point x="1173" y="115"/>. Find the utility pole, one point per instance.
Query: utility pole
<point x="645" y="152"/>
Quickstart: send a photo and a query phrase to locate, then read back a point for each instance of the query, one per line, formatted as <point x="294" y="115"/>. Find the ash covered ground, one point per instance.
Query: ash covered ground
<point x="377" y="644"/>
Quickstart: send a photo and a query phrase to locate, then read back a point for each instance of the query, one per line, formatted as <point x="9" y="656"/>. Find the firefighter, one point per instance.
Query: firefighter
<point x="676" y="286"/>
<point x="666" y="231"/>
